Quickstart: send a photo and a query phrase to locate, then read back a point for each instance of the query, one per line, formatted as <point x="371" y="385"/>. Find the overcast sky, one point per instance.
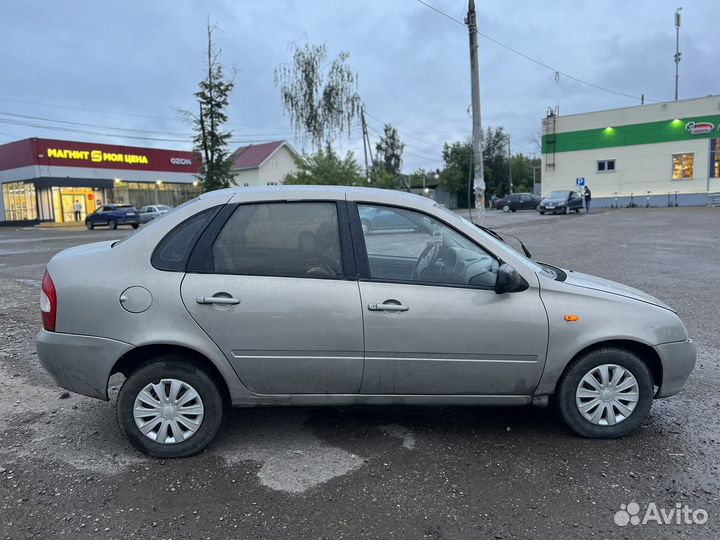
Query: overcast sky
<point x="83" y="61"/>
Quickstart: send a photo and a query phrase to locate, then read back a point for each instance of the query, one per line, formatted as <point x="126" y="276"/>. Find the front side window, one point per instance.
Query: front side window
<point x="298" y="239"/>
<point x="682" y="166"/>
<point x="407" y="246"/>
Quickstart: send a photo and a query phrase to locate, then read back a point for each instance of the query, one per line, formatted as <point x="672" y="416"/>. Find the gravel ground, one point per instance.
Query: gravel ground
<point x="66" y="471"/>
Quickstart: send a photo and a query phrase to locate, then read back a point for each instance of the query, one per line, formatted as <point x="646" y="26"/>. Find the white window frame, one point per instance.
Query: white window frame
<point x="606" y="170"/>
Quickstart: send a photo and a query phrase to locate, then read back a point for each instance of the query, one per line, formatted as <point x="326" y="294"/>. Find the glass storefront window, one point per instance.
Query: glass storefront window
<point x="682" y="166"/>
<point x="19" y="201"/>
<point x="146" y="193"/>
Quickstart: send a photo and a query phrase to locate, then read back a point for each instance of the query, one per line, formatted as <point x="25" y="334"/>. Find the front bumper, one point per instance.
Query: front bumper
<point x="81" y="364"/>
<point x="553" y="210"/>
<point x="678" y="361"/>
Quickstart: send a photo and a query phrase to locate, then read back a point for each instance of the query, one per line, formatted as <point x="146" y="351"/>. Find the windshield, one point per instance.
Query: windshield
<point x="501" y="245"/>
<point x="558" y="195"/>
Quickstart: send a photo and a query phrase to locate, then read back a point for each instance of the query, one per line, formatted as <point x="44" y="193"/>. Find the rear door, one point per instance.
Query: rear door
<point x="433" y="322"/>
<point x="270" y="288"/>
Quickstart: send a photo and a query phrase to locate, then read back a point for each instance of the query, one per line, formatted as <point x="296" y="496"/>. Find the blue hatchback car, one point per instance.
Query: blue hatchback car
<point x="113" y="215"/>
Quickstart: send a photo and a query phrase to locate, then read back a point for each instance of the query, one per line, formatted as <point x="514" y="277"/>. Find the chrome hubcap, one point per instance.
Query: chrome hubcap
<point x="168" y="412"/>
<point x="607" y="395"/>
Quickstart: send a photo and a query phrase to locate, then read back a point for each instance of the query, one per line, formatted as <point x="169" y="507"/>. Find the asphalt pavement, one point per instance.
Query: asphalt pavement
<point x="384" y="472"/>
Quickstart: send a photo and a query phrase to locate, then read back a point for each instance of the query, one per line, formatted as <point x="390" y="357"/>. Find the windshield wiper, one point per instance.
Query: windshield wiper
<point x="495" y="235"/>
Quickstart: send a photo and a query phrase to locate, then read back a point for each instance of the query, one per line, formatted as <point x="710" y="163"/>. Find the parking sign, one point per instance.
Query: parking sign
<point x="580" y="182"/>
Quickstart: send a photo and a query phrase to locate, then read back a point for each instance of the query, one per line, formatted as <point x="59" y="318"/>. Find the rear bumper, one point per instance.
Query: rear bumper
<point x="678" y="361"/>
<point x="81" y="364"/>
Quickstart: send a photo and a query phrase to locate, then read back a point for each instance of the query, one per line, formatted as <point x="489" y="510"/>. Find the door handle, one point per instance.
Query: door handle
<point x="387" y="307"/>
<point x="217" y="300"/>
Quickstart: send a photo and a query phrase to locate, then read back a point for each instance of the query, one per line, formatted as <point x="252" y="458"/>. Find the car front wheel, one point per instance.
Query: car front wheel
<point x="607" y="393"/>
<point x="170" y="408"/>
<point x="506" y="208"/>
<point x="90" y="226"/>
<point x="112" y="224"/>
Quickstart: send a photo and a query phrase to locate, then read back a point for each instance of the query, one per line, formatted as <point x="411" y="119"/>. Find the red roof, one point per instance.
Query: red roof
<point x="252" y="156"/>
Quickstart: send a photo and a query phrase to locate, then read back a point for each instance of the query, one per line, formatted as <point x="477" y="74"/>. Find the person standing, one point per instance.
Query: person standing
<point x="77" y="207"/>
<point x="588" y="197"/>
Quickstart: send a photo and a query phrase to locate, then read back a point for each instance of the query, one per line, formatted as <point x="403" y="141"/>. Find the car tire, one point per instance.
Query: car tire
<point x="89" y="225"/>
<point x="112" y="224"/>
<point x="513" y="210"/>
<point x="577" y="210"/>
<point x="506" y="208"/>
<point x="194" y="377"/>
<point x="135" y="225"/>
<point x="569" y="399"/>
<point x="542" y="212"/>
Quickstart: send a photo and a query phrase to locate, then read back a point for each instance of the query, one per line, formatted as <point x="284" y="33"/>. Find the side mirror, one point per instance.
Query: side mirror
<point x="508" y="280"/>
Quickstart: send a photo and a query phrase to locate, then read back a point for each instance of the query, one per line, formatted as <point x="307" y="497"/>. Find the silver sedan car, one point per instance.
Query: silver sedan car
<point x="152" y="211"/>
<point x="279" y="296"/>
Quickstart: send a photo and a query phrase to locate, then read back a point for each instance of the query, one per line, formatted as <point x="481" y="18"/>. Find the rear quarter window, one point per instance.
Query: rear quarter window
<point x="173" y="251"/>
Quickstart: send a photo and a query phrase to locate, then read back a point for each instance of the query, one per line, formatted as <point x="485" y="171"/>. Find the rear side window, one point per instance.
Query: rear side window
<point x="296" y="239"/>
<point x="173" y="251"/>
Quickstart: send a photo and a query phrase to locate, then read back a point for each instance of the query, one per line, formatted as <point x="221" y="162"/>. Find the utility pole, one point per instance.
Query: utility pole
<point x="678" y="54"/>
<point x="366" y="144"/>
<point x="479" y="177"/>
<point x="510" y="164"/>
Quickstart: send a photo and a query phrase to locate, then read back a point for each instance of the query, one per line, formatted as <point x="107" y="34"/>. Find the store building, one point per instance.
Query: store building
<point x="42" y="179"/>
<point x="655" y="154"/>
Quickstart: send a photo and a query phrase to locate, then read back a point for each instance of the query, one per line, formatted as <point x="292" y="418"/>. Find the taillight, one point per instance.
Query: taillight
<point x="48" y="303"/>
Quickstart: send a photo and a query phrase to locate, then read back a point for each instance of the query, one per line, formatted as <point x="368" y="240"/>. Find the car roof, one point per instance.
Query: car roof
<point x="350" y="193"/>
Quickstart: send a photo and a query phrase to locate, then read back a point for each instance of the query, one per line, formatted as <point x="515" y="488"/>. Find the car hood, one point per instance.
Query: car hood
<point x="578" y="279"/>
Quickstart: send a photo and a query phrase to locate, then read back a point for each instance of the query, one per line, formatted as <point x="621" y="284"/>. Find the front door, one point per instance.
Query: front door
<point x="433" y="323"/>
<point x="274" y="298"/>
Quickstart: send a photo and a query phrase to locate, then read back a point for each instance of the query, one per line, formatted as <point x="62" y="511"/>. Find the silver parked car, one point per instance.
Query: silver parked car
<point x="152" y="211"/>
<point x="279" y="296"/>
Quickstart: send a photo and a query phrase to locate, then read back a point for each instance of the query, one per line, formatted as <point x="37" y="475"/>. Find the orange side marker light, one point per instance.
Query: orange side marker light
<point x="572" y="318"/>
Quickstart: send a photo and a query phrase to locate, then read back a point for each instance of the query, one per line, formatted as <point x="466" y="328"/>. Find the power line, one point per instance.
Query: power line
<point x="31" y="121"/>
<point x="403" y="132"/>
<point x="534" y="60"/>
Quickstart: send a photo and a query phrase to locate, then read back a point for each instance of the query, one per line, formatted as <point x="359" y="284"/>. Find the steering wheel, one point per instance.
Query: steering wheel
<point x="326" y="266"/>
<point x="427" y="258"/>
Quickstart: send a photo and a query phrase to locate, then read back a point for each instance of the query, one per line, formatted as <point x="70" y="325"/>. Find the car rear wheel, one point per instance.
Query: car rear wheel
<point x="135" y="225"/>
<point x="170" y="408"/>
<point x="90" y="225"/>
<point x="112" y="224"/>
<point x="542" y="212"/>
<point x="506" y="208"/>
<point x="607" y="393"/>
